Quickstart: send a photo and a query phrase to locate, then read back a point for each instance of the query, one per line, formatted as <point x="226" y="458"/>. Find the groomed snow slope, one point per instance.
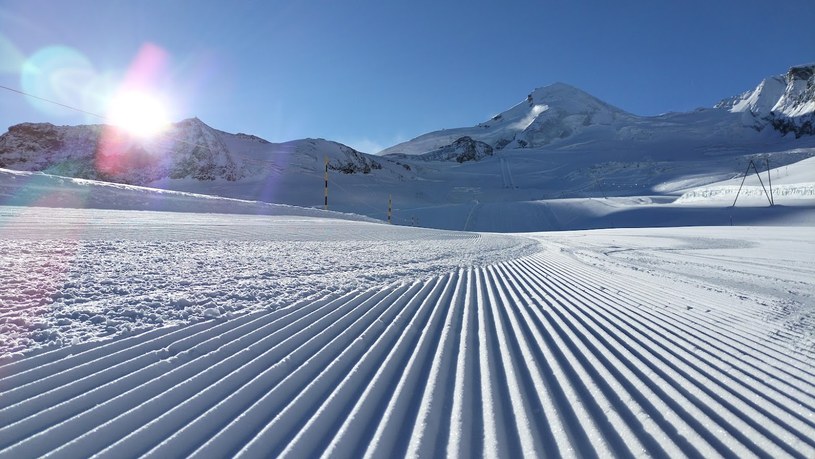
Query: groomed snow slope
<point x="599" y="344"/>
<point x="74" y="275"/>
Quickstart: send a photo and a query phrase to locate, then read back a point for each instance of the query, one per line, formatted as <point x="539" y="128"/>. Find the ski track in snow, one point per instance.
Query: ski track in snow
<point x="506" y="173"/>
<point x="554" y="353"/>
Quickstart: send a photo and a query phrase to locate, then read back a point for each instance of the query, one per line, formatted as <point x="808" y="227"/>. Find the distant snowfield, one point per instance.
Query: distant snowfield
<point x="167" y="334"/>
<point x="527" y="191"/>
<point x="517" y="191"/>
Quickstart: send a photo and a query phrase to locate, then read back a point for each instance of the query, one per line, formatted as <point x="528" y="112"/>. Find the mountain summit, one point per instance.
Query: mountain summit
<point x="189" y="151"/>
<point x="546" y="115"/>
<point x="550" y="113"/>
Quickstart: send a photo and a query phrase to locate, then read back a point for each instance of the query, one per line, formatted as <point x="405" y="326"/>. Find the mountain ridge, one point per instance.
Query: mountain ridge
<point x="189" y="149"/>
<point x="559" y="114"/>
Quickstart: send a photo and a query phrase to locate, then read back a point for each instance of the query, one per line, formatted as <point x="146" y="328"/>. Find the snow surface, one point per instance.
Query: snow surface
<point x="135" y="332"/>
<point x="695" y="341"/>
<point x="73" y="275"/>
<point x="780" y="185"/>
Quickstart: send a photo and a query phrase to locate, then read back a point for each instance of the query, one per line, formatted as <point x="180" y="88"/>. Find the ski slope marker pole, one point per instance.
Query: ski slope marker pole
<point x="770" y="181"/>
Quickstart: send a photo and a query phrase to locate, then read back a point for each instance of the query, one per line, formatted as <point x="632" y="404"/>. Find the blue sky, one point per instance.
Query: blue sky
<point x="370" y="73"/>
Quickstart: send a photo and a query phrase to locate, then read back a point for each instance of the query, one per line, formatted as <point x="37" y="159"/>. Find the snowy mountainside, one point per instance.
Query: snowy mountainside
<point x="189" y="150"/>
<point x="541" y="165"/>
<point x="758" y="101"/>
<point x="786" y="185"/>
<point x="546" y="115"/>
<point x="787" y="102"/>
<point x="293" y="173"/>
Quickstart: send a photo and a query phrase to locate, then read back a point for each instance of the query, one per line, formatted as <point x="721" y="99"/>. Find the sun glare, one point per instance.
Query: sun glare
<point x="139" y="113"/>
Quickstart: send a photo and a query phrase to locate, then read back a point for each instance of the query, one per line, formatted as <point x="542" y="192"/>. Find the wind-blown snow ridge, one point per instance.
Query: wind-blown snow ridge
<point x="526" y="357"/>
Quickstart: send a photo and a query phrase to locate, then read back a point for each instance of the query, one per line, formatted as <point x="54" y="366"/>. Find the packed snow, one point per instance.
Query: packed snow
<point x="144" y="332"/>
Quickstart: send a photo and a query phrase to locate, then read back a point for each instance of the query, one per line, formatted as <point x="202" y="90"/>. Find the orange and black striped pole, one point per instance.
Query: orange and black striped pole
<point x="390" y="207"/>
<point x="325" y="205"/>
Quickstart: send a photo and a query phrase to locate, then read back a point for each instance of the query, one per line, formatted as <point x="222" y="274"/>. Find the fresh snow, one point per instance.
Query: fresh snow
<point x="783" y="185"/>
<point x="74" y="275"/>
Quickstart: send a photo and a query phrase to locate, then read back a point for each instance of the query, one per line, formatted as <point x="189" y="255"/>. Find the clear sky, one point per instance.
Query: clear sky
<point x="370" y="73"/>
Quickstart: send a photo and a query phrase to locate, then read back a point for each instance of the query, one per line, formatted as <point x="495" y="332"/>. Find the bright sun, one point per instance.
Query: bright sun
<point x="141" y="114"/>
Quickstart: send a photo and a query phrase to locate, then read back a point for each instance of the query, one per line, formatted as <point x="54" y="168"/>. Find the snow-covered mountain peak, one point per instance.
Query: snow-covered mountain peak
<point x="561" y="116"/>
<point x="759" y="101"/>
<point x="799" y="95"/>
<point x="559" y="98"/>
<point x="548" y="114"/>
<point x="194" y="157"/>
<point x="193" y="122"/>
<point x="556" y="91"/>
<point x="187" y="149"/>
<point x="786" y="101"/>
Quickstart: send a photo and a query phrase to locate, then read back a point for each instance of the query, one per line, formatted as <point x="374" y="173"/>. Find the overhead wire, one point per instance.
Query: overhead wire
<point x="53" y="102"/>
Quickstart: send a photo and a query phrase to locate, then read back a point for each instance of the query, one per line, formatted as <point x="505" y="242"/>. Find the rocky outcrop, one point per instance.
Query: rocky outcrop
<point x="354" y="162"/>
<point x="795" y="112"/>
<point x="461" y="150"/>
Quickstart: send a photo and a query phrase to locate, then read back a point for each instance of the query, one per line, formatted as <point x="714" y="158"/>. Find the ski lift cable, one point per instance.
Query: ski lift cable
<point x="53" y="102"/>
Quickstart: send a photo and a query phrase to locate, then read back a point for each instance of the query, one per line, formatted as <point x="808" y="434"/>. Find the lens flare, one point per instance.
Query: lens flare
<point x="137" y="106"/>
<point x="57" y="73"/>
<point x="139" y="113"/>
<point x="11" y="58"/>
